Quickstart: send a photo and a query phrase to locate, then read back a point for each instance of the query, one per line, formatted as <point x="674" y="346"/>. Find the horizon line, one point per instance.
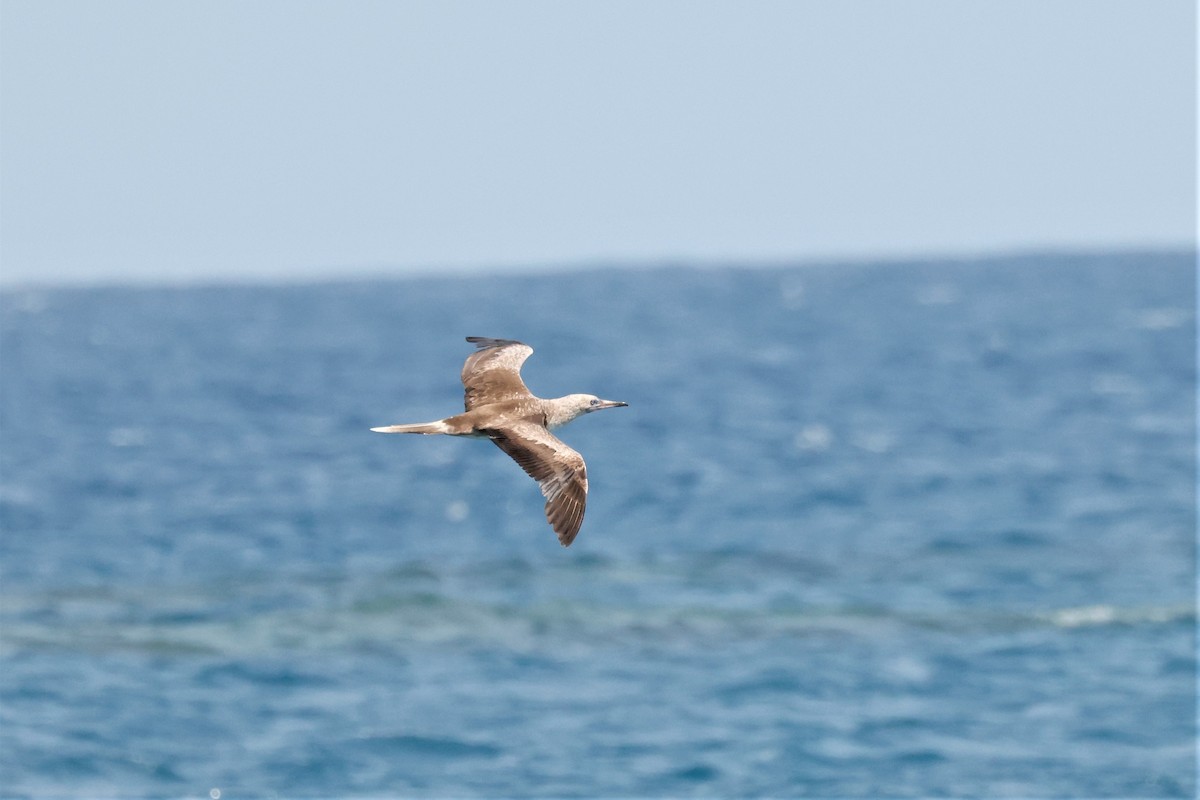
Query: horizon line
<point x="390" y="272"/>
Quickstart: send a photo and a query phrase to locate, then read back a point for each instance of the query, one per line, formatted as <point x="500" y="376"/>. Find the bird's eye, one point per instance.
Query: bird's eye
<point x="593" y="402"/>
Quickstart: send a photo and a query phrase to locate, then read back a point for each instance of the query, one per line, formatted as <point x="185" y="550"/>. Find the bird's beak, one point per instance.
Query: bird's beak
<point x="611" y="404"/>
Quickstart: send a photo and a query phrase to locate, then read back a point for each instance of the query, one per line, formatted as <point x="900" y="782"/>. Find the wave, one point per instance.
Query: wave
<point x="374" y="616"/>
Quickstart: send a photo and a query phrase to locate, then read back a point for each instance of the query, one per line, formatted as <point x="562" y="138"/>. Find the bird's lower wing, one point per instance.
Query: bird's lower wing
<point x="559" y="471"/>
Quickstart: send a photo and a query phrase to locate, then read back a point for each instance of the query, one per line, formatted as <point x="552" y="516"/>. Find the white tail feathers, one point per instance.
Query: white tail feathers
<point x="420" y="427"/>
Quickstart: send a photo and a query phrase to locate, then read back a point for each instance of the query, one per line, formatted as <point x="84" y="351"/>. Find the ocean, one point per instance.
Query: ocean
<point x="905" y="529"/>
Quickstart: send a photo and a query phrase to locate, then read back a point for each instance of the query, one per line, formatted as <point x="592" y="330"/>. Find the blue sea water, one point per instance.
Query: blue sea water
<point x="876" y="530"/>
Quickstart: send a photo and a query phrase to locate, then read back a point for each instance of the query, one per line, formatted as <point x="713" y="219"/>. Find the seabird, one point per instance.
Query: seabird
<point x="500" y="408"/>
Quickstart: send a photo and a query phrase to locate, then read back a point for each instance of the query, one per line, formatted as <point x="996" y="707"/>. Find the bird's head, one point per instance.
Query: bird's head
<point x="576" y="405"/>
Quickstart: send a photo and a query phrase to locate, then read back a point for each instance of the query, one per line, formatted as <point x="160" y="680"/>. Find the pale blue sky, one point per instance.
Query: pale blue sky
<point x="209" y="140"/>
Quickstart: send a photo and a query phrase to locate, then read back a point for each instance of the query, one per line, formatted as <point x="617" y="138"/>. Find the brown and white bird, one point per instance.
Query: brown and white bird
<point x="500" y="408"/>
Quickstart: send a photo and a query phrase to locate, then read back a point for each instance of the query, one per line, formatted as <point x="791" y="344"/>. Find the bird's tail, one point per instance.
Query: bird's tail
<point x="420" y="427"/>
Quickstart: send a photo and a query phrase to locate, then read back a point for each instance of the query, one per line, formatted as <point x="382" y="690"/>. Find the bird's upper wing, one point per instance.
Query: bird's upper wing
<point x="558" y="469"/>
<point x="493" y="372"/>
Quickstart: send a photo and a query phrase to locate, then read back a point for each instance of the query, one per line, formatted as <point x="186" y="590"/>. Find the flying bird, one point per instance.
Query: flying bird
<point x="500" y="407"/>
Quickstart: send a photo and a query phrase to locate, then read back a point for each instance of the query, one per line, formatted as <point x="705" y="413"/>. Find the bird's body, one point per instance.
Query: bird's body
<point x="500" y="407"/>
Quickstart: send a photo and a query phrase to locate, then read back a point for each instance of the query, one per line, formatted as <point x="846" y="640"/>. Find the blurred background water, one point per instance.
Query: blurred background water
<point x="865" y="530"/>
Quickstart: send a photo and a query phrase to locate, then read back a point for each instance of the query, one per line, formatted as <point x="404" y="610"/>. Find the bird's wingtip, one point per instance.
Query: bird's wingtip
<point x="484" y="342"/>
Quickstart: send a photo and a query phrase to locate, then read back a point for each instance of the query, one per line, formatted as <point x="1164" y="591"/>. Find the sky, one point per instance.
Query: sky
<point x="291" y="139"/>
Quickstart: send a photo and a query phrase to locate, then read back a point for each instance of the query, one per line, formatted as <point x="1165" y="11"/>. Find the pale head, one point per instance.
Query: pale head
<point x="565" y="409"/>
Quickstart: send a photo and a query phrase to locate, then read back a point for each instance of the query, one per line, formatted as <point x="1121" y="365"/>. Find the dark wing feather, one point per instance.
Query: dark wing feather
<point x="559" y="471"/>
<point x="492" y="374"/>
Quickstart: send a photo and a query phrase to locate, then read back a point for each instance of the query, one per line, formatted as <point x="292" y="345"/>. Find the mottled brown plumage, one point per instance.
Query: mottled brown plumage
<point x="500" y="407"/>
